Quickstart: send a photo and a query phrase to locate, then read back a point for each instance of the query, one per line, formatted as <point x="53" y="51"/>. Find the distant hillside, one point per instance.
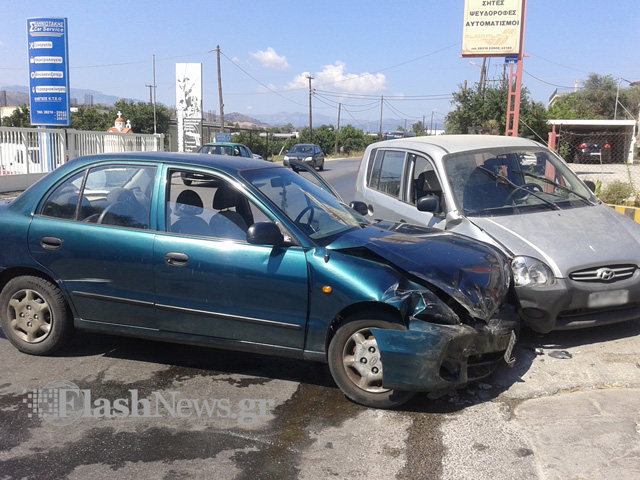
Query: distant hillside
<point x="19" y="95"/>
<point x="243" y="120"/>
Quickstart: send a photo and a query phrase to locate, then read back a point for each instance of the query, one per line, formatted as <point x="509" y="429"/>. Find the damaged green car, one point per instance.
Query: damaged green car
<point x="250" y="257"/>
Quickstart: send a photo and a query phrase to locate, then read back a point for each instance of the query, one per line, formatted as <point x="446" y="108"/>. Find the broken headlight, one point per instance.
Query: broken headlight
<point x="530" y="272"/>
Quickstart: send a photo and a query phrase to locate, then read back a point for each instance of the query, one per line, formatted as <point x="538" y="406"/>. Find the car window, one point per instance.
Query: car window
<point x="203" y="204"/>
<point x="118" y="195"/>
<point x="387" y="172"/>
<point x="63" y="202"/>
<point x="424" y="179"/>
<point x="317" y="213"/>
<point x="503" y="182"/>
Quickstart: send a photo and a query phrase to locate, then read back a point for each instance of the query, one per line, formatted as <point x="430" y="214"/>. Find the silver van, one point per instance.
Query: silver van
<point x="575" y="260"/>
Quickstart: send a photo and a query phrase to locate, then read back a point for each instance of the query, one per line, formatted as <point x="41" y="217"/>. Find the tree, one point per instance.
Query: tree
<point x="19" y="118"/>
<point x="140" y="114"/>
<point x="597" y="100"/>
<point x="486" y="108"/>
<point x="90" y="119"/>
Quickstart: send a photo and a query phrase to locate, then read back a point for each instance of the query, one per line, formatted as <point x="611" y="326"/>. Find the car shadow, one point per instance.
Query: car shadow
<point x="530" y="345"/>
<point x="189" y="361"/>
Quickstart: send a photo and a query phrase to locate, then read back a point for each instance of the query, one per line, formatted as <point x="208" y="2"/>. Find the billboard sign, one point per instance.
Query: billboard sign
<point x="491" y="28"/>
<point x="47" y="43"/>
<point x="189" y="106"/>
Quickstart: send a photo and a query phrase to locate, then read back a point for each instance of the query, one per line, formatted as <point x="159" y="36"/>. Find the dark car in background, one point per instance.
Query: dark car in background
<point x="254" y="258"/>
<point x="305" y="153"/>
<point x="593" y="151"/>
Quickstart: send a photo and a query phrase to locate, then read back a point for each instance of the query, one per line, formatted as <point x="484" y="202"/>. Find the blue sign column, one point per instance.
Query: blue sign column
<point x="49" y="71"/>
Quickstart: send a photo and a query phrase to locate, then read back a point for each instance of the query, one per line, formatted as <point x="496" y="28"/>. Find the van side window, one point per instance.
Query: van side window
<point x="387" y="172"/>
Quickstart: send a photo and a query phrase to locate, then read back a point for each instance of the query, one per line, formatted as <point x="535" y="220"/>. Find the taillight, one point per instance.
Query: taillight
<point x="607" y="145"/>
<point x="582" y="145"/>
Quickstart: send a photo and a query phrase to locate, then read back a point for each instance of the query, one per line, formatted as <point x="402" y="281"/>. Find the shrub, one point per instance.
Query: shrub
<point x="616" y="193"/>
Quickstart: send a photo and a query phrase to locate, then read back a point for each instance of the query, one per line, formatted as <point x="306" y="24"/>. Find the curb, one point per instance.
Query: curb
<point x="632" y="212"/>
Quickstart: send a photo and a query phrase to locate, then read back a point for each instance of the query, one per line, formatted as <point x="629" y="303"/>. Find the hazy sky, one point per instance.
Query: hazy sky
<point x="408" y="51"/>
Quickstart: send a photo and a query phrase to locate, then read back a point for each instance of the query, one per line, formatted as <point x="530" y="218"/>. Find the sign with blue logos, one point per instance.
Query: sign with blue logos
<point x="223" y="137"/>
<point x="48" y="71"/>
<point x="511" y="59"/>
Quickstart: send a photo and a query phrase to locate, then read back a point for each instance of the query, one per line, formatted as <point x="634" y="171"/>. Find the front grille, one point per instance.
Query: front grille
<point x="604" y="274"/>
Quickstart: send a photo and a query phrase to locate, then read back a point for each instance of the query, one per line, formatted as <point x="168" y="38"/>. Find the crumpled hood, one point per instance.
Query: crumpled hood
<point x="568" y="240"/>
<point x="473" y="273"/>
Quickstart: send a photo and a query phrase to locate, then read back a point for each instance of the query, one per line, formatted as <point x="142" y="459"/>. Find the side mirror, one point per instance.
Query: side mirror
<point x="428" y="203"/>
<point x="591" y="185"/>
<point x="360" y="207"/>
<point x="265" y="233"/>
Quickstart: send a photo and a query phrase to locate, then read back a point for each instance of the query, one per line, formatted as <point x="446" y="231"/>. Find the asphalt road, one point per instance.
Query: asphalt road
<point x="569" y="409"/>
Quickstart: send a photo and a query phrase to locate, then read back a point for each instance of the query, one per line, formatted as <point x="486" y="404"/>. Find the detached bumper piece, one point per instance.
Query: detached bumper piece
<point x="430" y="356"/>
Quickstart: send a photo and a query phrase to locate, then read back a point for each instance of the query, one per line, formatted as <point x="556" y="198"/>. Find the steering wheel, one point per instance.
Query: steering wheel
<point x="531" y="187"/>
<point x="106" y="211"/>
<point x="310" y="209"/>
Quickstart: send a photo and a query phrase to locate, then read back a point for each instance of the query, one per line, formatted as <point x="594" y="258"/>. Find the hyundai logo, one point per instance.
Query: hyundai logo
<point x="605" y="274"/>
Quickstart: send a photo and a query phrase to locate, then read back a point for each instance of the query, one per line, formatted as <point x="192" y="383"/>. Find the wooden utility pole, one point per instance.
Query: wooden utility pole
<point x="310" y="123"/>
<point x="220" y="92"/>
<point x="338" y="129"/>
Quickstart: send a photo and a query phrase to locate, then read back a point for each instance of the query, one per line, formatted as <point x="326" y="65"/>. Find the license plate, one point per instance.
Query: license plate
<point x="507" y="353"/>
<point x="608" y="299"/>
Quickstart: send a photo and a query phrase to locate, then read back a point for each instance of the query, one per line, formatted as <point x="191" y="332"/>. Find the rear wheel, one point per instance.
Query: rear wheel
<point x="34" y="315"/>
<point x="356" y="365"/>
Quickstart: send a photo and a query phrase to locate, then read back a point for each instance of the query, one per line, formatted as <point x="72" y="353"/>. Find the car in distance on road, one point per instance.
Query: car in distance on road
<point x="575" y="260"/>
<point x="254" y="258"/>
<point x="218" y="148"/>
<point x="305" y="153"/>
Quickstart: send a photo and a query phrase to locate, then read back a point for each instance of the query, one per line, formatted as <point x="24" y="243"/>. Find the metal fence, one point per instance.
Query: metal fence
<point x="607" y="159"/>
<point x="32" y="150"/>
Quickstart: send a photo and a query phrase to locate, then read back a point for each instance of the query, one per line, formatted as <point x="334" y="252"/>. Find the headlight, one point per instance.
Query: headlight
<point x="286" y="158"/>
<point x="308" y="159"/>
<point x="530" y="272"/>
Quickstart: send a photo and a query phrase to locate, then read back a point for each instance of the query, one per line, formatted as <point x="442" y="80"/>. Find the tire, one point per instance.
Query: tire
<point x="361" y="380"/>
<point x="321" y="168"/>
<point x="34" y="315"/>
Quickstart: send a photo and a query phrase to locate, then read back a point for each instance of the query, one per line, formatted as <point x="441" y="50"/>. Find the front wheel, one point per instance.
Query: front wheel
<point x="34" y="315"/>
<point x="356" y="364"/>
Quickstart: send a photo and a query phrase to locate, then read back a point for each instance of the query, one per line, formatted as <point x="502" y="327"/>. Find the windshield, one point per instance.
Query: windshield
<point x="301" y="149"/>
<point x="505" y="181"/>
<point x="314" y="210"/>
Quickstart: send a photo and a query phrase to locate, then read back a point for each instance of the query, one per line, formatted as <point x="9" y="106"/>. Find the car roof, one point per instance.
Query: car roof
<point x="457" y="143"/>
<point x="225" y="163"/>
<point x="228" y="144"/>
<point x="304" y="145"/>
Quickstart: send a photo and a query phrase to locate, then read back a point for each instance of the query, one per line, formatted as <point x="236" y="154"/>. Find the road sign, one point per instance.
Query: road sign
<point x="48" y="49"/>
<point x="223" y="137"/>
<point x="511" y="59"/>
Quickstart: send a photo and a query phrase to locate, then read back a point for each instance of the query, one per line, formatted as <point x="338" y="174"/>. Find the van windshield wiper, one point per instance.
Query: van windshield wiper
<point x="504" y="179"/>
<point x="557" y="185"/>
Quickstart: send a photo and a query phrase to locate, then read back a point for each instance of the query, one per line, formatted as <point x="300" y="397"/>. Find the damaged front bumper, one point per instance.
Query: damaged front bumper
<point x="430" y="356"/>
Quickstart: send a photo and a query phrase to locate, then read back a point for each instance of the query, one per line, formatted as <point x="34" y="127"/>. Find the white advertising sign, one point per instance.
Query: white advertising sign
<point x="189" y="106"/>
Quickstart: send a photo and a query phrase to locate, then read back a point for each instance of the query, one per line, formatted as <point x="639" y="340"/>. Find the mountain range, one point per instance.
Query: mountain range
<point x="17" y="95"/>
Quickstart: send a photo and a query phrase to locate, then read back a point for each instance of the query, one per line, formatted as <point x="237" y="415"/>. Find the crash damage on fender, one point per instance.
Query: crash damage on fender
<point x="459" y="326"/>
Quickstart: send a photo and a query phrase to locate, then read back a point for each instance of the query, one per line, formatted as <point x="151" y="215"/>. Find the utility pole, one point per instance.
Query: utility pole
<point x="155" y="128"/>
<point x="515" y="84"/>
<point x="310" y="115"/>
<point x="152" y="95"/>
<point x="338" y="129"/>
<point x="381" y="104"/>
<point x="220" y="92"/>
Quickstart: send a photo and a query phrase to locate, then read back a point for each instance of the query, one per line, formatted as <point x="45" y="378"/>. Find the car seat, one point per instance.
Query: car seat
<point x="229" y="223"/>
<point x="188" y="208"/>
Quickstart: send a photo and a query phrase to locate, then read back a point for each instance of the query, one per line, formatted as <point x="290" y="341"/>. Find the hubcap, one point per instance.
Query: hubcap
<point x="29" y="316"/>
<point x="361" y="360"/>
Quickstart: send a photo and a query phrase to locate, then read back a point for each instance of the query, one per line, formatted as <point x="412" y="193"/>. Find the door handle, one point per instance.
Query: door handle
<point x="51" y="243"/>
<point x="176" y="259"/>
